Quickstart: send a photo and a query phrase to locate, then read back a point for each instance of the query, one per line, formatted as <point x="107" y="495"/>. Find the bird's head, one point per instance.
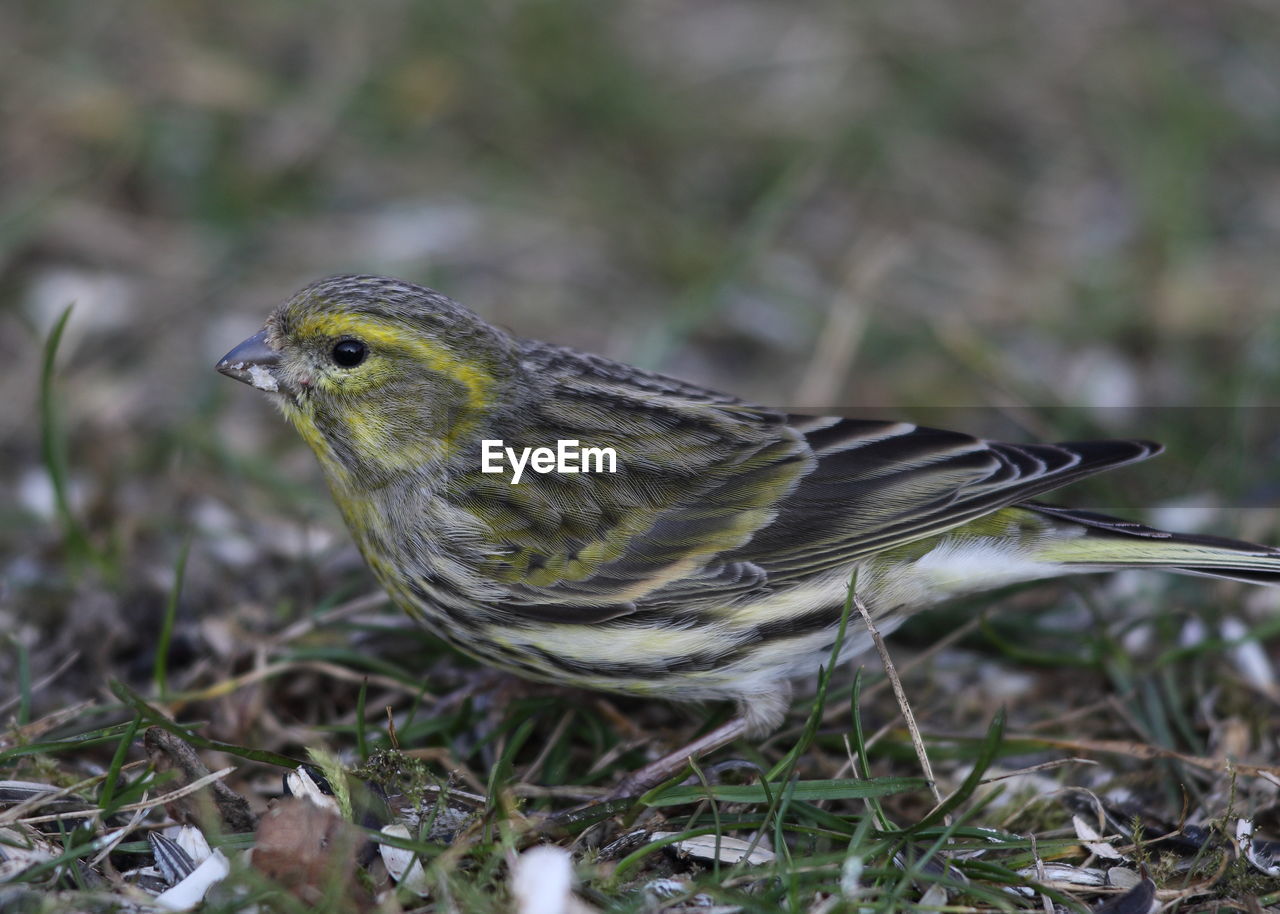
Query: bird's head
<point x="380" y="376"/>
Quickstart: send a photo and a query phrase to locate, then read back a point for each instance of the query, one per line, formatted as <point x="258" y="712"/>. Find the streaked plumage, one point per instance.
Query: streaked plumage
<point x="714" y="564"/>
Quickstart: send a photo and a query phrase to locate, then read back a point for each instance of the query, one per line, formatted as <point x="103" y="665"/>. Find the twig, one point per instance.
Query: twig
<point x="835" y="712"/>
<point x="132" y="807"/>
<point x="901" y="695"/>
<point x="349" y="608"/>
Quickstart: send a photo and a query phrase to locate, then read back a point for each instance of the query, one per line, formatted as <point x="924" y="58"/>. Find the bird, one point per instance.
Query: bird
<point x="712" y="560"/>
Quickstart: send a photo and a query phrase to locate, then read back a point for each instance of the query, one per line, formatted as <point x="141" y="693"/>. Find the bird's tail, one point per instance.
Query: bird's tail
<point x="1113" y="543"/>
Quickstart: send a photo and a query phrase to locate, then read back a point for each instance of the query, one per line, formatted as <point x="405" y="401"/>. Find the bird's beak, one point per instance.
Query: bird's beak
<point x="253" y="362"/>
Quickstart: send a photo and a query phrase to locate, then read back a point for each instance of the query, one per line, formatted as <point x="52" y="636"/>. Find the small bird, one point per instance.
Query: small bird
<point x="712" y="559"/>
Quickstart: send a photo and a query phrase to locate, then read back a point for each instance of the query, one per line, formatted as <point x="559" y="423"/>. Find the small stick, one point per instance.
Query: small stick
<point x="901" y="695"/>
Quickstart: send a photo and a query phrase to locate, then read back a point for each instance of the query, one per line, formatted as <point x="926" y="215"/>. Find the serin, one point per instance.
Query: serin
<point x="714" y="563"/>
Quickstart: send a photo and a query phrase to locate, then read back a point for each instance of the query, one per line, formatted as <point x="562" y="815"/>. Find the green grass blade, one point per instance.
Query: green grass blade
<point x="362" y="739"/>
<point x="160" y="671"/>
<point x="107" y="796"/>
<point x="782" y="770"/>
<point x="987" y="753"/>
<point x="24" y="680"/>
<point x="154" y="717"/>
<point x="53" y="446"/>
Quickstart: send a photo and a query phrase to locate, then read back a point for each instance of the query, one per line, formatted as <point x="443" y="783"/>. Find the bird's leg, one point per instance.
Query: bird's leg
<point x="654" y="773"/>
<point x="757" y="715"/>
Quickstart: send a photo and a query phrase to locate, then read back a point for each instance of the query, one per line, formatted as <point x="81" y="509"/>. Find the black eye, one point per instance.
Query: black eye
<point x="349" y="353"/>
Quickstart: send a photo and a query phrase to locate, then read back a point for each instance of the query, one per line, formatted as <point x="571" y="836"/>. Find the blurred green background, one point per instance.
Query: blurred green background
<point x="891" y="204"/>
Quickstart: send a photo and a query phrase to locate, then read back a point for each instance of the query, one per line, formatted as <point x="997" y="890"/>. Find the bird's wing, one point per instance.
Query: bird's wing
<point x="714" y="498"/>
<point x="697" y="474"/>
<point x="878" y="485"/>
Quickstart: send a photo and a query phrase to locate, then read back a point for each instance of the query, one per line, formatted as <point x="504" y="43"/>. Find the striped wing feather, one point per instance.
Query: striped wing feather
<point x="716" y="497"/>
<point x="878" y="485"/>
<point x="696" y="478"/>
<point x="858" y="488"/>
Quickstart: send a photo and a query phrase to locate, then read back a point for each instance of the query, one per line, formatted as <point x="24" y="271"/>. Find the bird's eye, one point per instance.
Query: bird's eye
<point x="349" y="353"/>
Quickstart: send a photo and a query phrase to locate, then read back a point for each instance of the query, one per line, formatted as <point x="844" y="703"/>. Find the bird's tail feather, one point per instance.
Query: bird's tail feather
<point x="1113" y="543"/>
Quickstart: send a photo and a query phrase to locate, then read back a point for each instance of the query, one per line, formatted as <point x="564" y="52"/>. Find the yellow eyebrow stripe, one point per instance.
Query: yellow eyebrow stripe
<point x="379" y="332"/>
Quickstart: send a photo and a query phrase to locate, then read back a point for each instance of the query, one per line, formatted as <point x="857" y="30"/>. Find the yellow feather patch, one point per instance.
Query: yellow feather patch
<point x="388" y="335"/>
<point x="598" y="644"/>
<point x="304" y="421"/>
<point x="372" y="428"/>
<point x="828" y="590"/>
